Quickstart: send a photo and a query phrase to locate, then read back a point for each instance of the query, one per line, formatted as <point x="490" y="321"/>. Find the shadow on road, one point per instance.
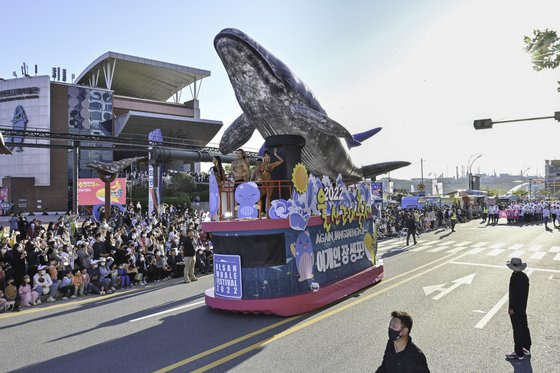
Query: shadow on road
<point x="99" y="301"/>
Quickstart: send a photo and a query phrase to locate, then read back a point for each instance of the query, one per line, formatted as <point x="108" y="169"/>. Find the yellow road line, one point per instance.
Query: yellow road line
<point x="295" y="328"/>
<point x="227" y="344"/>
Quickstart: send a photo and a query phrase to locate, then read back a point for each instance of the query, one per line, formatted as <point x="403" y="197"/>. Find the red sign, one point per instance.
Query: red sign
<point x="92" y="191"/>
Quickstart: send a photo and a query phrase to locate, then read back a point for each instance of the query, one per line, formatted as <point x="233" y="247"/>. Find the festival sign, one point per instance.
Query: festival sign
<point x="92" y="191"/>
<point x="377" y="190"/>
<point x="227" y="276"/>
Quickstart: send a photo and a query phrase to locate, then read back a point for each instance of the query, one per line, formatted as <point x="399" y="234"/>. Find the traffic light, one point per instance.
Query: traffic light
<point x="482" y="124"/>
<point x="557" y="115"/>
<point x="53" y="73"/>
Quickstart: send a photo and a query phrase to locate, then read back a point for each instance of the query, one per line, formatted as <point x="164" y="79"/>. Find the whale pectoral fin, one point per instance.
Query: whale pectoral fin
<point x="319" y="121"/>
<point x="237" y="134"/>
<point x="373" y="170"/>
<point x="293" y="249"/>
<point x="352" y="143"/>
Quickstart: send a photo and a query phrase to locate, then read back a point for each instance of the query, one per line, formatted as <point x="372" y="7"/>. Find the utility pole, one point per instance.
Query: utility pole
<point x="422" y="170"/>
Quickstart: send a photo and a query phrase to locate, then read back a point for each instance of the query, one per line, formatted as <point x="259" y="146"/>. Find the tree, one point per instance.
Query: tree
<point x="520" y="193"/>
<point x="182" y="182"/>
<point x="544" y="48"/>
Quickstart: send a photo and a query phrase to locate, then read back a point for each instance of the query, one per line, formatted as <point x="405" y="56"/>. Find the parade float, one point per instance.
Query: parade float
<point x="317" y="242"/>
<point x="312" y="249"/>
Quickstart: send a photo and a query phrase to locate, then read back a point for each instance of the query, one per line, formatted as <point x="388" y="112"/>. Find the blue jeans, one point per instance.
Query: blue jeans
<point x="52" y="291"/>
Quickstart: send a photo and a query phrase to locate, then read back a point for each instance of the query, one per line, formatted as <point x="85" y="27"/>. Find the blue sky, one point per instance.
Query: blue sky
<point x="423" y="70"/>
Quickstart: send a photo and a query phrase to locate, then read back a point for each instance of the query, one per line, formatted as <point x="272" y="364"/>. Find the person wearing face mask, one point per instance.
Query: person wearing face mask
<point x="401" y="354"/>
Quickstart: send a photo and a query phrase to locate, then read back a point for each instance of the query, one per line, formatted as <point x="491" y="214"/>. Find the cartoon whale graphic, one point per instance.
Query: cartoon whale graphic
<point x="302" y="250"/>
<point x="276" y="102"/>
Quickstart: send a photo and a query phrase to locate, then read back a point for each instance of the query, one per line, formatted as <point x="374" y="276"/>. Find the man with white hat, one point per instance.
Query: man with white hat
<point x="518" y="295"/>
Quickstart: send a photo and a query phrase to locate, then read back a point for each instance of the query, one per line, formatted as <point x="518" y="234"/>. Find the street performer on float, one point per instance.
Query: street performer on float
<point x="265" y="170"/>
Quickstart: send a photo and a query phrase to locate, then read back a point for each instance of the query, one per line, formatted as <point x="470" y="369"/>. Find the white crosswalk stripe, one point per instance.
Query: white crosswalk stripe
<point x="429" y="243"/>
<point x="476" y="250"/>
<point x="421" y="248"/>
<point x="480" y="244"/>
<point x="464" y="243"/>
<point x="456" y="250"/>
<point x="538" y="255"/>
<point x="497" y="245"/>
<point x="516" y="254"/>
<point x="557" y="257"/>
<point x="535" y="248"/>
<point x="495" y="252"/>
<point x="554" y="249"/>
<point x="515" y="246"/>
<point x="438" y="248"/>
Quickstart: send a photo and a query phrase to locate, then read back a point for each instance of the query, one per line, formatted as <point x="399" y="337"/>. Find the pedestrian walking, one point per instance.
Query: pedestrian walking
<point x="517" y="309"/>
<point x="401" y="354"/>
<point x="189" y="253"/>
<point x="453" y="220"/>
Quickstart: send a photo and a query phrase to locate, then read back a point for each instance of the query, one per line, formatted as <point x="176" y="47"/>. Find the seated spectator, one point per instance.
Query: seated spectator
<point x="86" y="281"/>
<point x="78" y="282"/>
<point x="27" y="295"/>
<point x="123" y="277"/>
<point x="43" y="284"/>
<point x="67" y="286"/>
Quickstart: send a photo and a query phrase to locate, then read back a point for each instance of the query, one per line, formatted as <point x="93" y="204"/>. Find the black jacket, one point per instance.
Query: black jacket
<point x="518" y="292"/>
<point x="409" y="360"/>
<point x="410" y="224"/>
<point x="188" y="247"/>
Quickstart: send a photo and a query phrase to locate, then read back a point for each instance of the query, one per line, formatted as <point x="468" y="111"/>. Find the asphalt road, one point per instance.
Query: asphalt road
<point x="461" y="326"/>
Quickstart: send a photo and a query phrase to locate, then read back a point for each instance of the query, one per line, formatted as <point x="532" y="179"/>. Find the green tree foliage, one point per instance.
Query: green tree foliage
<point x="544" y="48"/>
<point x="493" y="192"/>
<point x="520" y="193"/>
<point x="182" y="182"/>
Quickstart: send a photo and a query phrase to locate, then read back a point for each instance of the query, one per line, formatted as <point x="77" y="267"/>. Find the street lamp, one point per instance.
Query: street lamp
<point x="483" y="124"/>
<point x="523" y="171"/>
<point x="469" y="167"/>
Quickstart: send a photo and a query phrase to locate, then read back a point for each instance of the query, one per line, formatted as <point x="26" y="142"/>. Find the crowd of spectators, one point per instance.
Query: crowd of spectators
<point x="70" y="259"/>
<point x="393" y="219"/>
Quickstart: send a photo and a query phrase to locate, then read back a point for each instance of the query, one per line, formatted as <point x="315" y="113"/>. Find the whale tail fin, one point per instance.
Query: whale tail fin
<point x="373" y="170"/>
<point x="358" y="138"/>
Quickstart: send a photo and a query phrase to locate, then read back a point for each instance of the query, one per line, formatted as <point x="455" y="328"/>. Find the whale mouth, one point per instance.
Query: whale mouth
<point x="231" y="39"/>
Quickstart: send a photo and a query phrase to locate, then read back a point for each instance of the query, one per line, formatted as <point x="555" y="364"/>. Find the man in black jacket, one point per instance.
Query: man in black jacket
<point x="410" y="224"/>
<point x="518" y="295"/>
<point x="188" y="256"/>
<point x="401" y="354"/>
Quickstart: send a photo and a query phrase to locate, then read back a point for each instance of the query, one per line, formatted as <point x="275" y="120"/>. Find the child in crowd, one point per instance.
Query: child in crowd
<point x="27" y="295"/>
<point x="3" y="302"/>
<point x="123" y="276"/>
<point x="78" y="282"/>
<point x="86" y="281"/>
<point x="67" y="286"/>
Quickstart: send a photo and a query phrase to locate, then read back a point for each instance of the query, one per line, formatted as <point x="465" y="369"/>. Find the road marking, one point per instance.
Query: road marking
<point x="429" y="243"/>
<point x="302" y="325"/>
<point x="516" y="246"/>
<point x="388" y="241"/>
<point x="497" y="245"/>
<point x="421" y="248"/>
<point x="479" y="311"/>
<point x="535" y="248"/>
<point x="480" y="244"/>
<point x="456" y="250"/>
<point x="557" y="257"/>
<point x="554" y="249"/>
<point x="167" y="311"/>
<point x="496" y="308"/>
<point x="476" y="251"/>
<point x="438" y="248"/>
<point x="495" y="252"/>
<point x="538" y="255"/>
<point x="516" y="254"/>
<point x="503" y="267"/>
<point x="464" y="243"/>
<point x="447" y="242"/>
<point x="444" y="291"/>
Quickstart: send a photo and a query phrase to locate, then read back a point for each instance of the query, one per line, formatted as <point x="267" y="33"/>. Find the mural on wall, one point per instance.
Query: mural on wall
<point x="19" y="122"/>
<point x="89" y="108"/>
